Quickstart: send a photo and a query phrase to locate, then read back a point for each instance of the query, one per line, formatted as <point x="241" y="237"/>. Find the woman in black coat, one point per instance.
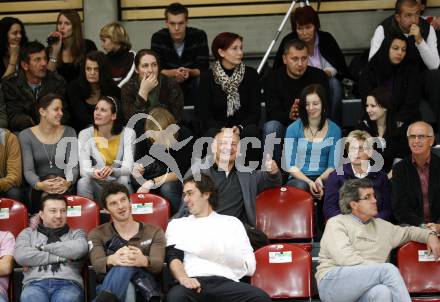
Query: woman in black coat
<point x="393" y="67"/>
<point x="83" y="93"/>
<point x="380" y="122"/>
<point x="230" y="92"/>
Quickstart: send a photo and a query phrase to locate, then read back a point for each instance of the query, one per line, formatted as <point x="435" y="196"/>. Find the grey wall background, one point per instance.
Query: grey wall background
<point x="352" y="30"/>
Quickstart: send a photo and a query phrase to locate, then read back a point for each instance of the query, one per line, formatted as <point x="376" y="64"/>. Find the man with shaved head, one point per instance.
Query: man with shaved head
<point x="416" y="181"/>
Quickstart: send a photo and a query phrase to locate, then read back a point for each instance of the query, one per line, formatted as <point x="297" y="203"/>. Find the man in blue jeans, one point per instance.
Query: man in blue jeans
<point x="356" y="246"/>
<point x="51" y="255"/>
<point x="125" y="251"/>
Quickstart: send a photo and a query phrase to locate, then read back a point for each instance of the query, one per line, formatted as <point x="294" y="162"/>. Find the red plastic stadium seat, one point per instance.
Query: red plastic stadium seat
<point x="13" y="216"/>
<point x="82" y="213"/>
<point x="150" y="208"/>
<point x="420" y="277"/>
<point x="286" y="213"/>
<point x="283" y="271"/>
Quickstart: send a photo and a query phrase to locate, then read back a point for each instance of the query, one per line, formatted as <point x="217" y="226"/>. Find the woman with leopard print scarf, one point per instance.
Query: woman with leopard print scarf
<point x="229" y="93"/>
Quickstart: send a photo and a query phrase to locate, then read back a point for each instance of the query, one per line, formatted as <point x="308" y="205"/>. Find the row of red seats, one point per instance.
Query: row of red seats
<point x="283" y="270"/>
<point x="84" y="213"/>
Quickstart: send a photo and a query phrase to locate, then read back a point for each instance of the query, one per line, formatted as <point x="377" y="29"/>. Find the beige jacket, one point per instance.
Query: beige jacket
<point x="347" y="241"/>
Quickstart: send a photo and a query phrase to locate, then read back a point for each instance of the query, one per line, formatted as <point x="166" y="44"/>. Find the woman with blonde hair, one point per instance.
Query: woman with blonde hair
<point x="116" y="44"/>
<point x="67" y="46"/>
<point x="163" y="157"/>
<point x="359" y="150"/>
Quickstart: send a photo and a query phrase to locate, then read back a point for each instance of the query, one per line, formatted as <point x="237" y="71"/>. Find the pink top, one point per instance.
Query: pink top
<point x="7" y="244"/>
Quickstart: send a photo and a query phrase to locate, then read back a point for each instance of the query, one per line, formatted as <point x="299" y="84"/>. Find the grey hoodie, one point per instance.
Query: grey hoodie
<point x="72" y="247"/>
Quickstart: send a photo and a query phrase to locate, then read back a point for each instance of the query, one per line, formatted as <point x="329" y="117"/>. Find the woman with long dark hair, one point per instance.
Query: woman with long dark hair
<point x="12" y="37"/>
<point x="49" y="152"/>
<point x="310" y="146"/>
<point x="380" y="121"/>
<point x="105" y="150"/>
<point x="393" y="68"/>
<point x="67" y="46"/>
<point x="83" y="93"/>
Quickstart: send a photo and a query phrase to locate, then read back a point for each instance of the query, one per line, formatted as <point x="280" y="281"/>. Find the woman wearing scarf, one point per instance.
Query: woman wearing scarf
<point x="393" y="67"/>
<point x="229" y="93"/>
<point x="148" y="88"/>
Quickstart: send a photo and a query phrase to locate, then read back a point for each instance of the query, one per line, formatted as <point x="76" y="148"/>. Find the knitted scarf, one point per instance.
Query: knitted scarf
<point x="229" y="85"/>
<point x="53" y="235"/>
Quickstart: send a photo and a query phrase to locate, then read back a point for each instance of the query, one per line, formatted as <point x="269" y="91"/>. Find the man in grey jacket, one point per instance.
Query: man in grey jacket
<point x="237" y="187"/>
<point x="51" y="255"/>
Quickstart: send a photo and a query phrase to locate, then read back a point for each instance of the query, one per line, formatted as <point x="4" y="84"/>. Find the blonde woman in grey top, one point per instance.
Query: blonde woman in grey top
<point x="49" y="151"/>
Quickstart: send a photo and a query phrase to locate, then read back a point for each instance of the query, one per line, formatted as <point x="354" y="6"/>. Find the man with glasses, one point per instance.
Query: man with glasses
<point x="416" y="181"/>
<point x="356" y="246"/>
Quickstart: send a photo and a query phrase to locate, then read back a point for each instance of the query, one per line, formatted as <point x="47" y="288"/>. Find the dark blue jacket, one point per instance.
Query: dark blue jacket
<point x="381" y="186"/>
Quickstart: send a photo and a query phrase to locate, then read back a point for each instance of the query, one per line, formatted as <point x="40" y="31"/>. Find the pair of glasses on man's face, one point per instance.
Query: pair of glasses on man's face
<point x="368" y="197"/>
<point x="420" y="137"/>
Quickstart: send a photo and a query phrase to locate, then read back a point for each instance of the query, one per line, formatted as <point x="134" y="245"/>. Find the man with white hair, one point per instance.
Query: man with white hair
<point x="416" y="181"/>
<point x="237" y="188"/>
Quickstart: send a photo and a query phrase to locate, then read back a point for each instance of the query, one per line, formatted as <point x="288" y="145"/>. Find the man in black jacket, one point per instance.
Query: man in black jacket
<point x="21" y="90"/>
<point x="183" y="50"/>
<point x="283" y="88"/>
<point x="416" y="181"/>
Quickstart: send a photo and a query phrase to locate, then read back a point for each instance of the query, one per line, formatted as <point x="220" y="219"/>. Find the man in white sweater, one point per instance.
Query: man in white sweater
<point x="208" y="253"/>
<point x="356" y="246"/>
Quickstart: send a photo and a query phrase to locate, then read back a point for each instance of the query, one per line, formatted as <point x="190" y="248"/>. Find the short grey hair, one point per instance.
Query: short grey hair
<point x="350" y="192"/>
<point x="428" y="126"/>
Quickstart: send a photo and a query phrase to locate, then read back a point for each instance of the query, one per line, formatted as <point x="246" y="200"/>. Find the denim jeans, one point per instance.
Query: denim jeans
<point x="172" y="191"/>
<point x="371" y="282"/>
<point x="335" y="100"/>
<point x="3" y="298"/>
<point x="52" y="290"/>
<point x="279" y="130"/>
<point x="91" y="188"/>
<point x="117" y="281"/>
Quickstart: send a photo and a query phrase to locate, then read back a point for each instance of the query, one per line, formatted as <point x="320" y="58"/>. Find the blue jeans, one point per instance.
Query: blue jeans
<point x="335" y="98"/>
<point x="361" y="283"/>
<point x="3" y="298"/>
<point x="172" y="191"/>
<point x="279" y="130"/>
<point x="52" y="290"/>
<point x="118" y="279"/>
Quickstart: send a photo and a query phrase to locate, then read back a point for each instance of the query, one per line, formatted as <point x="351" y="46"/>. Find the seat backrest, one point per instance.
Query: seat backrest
<point x="283" y="271"/>
<point x="150" y="208"/>
<point x="13" y="216"/>
<point x="285" y="213"/>
<point x="420" y="276"/>
<point x="82" y="213"/>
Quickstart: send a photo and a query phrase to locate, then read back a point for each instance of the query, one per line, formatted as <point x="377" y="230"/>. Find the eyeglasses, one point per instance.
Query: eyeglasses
<point x="418" y="136"/>
<point x="368" y="197"/>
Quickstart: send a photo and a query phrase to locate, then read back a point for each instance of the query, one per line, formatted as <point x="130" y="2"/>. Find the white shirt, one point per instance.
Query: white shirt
<point x="216" y="245"/>
<point x="427" y="49"/>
